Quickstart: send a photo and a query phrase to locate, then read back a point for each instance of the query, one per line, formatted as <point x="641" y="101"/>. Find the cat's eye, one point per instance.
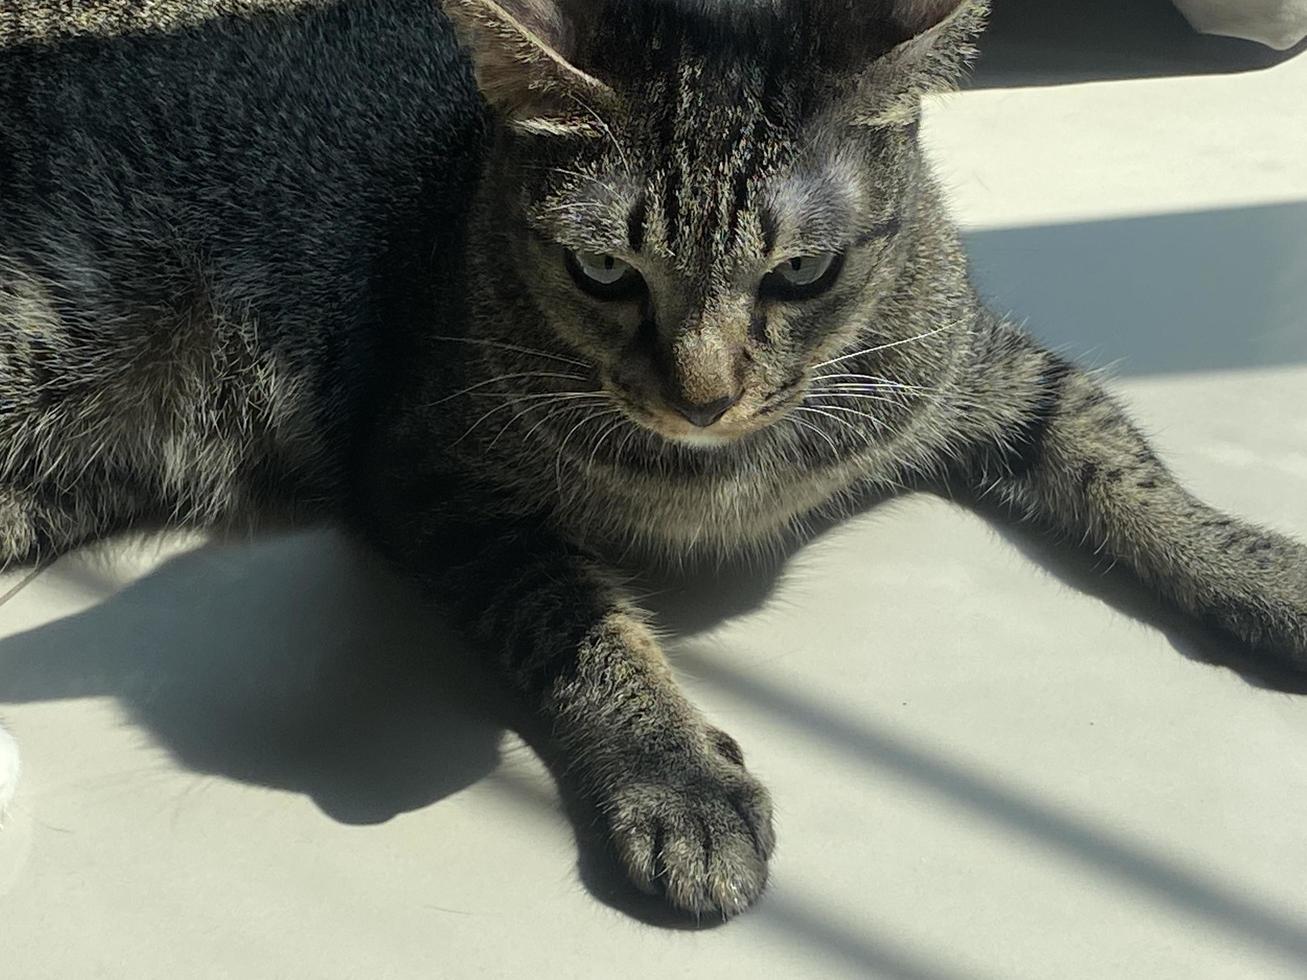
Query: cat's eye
<point x="803" y="276"/>
<point x="603" y="276"/>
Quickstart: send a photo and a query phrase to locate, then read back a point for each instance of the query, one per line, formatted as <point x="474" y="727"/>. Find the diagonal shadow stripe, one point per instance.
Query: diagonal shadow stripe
<point x="853" y="946"/>
<point x="1094" y="848"/>
<point x="856" y="946"/>
<point x="1211" y="290"/>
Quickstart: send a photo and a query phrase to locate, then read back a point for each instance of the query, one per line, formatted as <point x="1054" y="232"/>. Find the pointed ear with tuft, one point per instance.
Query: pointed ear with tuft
<point x="888" y="54"/>
<point x="915" y="18"/>
<point x="523" y="53"/>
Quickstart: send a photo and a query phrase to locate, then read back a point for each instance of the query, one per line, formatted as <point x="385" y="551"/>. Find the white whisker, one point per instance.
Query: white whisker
<point x="856" y="395"/>
<point x="557" y="412"/>
<point x="850" y="411"/>
<point x="872" y="379"/>
<point x="572" y="397"/>
<point x="505" y="377"/>
<point x="513" y="347"/>
<point x="562" y="446"/>
<point x="617" y="456"/>
<point x="513" y="400"/>
<point x="883" y="389"/>
<point x="600" y="440"/>
<point x="881" y="347"/>
<point x="808" y="425"/>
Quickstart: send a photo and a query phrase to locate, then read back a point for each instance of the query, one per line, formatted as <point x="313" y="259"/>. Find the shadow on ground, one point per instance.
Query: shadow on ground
<point x="295" y="664"/>
<point x="1052" y="42"/>
<point x="1201" y="291"/>
<point x="300" y="664"/>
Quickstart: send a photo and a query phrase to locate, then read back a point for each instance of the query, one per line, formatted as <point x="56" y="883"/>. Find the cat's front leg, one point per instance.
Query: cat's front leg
<point x="685" y="817"/>
<point x="1056" y="447"/>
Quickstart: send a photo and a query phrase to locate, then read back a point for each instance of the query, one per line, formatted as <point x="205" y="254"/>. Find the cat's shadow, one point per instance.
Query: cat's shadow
<point x="297" y="663"/>
<point x="1119" y="588"/>
<point x="304" y="665"/>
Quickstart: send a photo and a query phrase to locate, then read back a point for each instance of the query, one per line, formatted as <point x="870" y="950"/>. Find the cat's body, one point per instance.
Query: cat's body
<point x="192" y="313"/>
<point x="686" y="285"/>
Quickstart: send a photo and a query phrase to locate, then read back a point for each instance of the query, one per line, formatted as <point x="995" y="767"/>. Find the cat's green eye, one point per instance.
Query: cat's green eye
<point x="603" y="276"/>
<point x="803" y="276"/>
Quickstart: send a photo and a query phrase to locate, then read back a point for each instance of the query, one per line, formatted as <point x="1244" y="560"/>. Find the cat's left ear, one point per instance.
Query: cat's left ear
<point x="524" y="53"/>
<point x="891" y="53"/>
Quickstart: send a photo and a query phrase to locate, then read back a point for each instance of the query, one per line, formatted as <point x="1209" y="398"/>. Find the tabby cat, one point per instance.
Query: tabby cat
<point x="530" y="294"/>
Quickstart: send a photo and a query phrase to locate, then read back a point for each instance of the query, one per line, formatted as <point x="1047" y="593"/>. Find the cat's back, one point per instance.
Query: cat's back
<point x="243" y="119"/>
<point x="208" y="213"/>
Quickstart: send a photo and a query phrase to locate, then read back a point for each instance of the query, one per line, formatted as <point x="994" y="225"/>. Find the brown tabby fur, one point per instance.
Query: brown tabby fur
<point x="282" y="257"/>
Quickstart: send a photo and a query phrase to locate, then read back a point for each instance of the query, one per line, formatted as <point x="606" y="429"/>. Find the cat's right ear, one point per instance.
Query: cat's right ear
<point x="523" y="53"/>
<point x="889" y="53"/>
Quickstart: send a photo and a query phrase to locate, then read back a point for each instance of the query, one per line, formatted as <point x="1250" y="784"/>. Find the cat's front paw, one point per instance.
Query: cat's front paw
<point x="1269" y="611"/>
<point x="696" y="829"/>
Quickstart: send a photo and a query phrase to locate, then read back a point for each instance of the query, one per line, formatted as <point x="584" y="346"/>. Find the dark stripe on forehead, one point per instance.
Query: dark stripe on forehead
<point x="769" y="231"/>
<point x="886" y="229"/>
<point x="718" y="105"/>
<point x="740" y="183"/>
<point x="671" y="101"/>
<point x="635" y="223"/>
<point x="769" y="97"/>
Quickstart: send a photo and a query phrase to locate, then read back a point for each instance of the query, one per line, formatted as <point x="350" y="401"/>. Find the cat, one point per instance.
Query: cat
<point x="530" y="295"/>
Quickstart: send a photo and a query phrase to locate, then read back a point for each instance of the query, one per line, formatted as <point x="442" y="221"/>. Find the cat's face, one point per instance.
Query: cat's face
<point x="714" y="252"/>
<point x="715" y="220"/>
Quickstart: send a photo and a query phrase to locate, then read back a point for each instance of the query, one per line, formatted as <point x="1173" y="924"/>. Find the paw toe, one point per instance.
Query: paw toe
<point x="704" y="846"/>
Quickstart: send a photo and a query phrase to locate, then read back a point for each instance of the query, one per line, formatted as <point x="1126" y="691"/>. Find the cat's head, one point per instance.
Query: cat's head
<point x="707" y="199"/>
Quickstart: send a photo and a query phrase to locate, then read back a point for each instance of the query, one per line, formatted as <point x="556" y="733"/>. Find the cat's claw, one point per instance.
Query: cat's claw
<point x="701" y="836"/>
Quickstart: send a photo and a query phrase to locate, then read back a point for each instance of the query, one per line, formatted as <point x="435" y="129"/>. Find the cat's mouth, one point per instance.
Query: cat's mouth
<point x="749" y="416"/>
<point x="664" y="422"/>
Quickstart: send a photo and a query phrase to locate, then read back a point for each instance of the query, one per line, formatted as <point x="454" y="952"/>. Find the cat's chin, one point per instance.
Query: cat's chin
<point x="701" y="440"/>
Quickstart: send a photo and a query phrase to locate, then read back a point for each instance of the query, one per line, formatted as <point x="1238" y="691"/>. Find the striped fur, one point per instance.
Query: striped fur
<point x="286" y="259"/>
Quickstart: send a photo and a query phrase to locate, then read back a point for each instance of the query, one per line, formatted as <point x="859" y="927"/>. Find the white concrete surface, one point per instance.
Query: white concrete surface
<point x="988" y="761"/>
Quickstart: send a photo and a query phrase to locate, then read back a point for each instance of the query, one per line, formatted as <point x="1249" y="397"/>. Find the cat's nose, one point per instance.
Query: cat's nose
<point x="705" y="414"/>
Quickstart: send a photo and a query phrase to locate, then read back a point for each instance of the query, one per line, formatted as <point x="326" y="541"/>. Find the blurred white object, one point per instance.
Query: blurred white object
<point x="8" y="769"/>
<point x="1279" y="24"/>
